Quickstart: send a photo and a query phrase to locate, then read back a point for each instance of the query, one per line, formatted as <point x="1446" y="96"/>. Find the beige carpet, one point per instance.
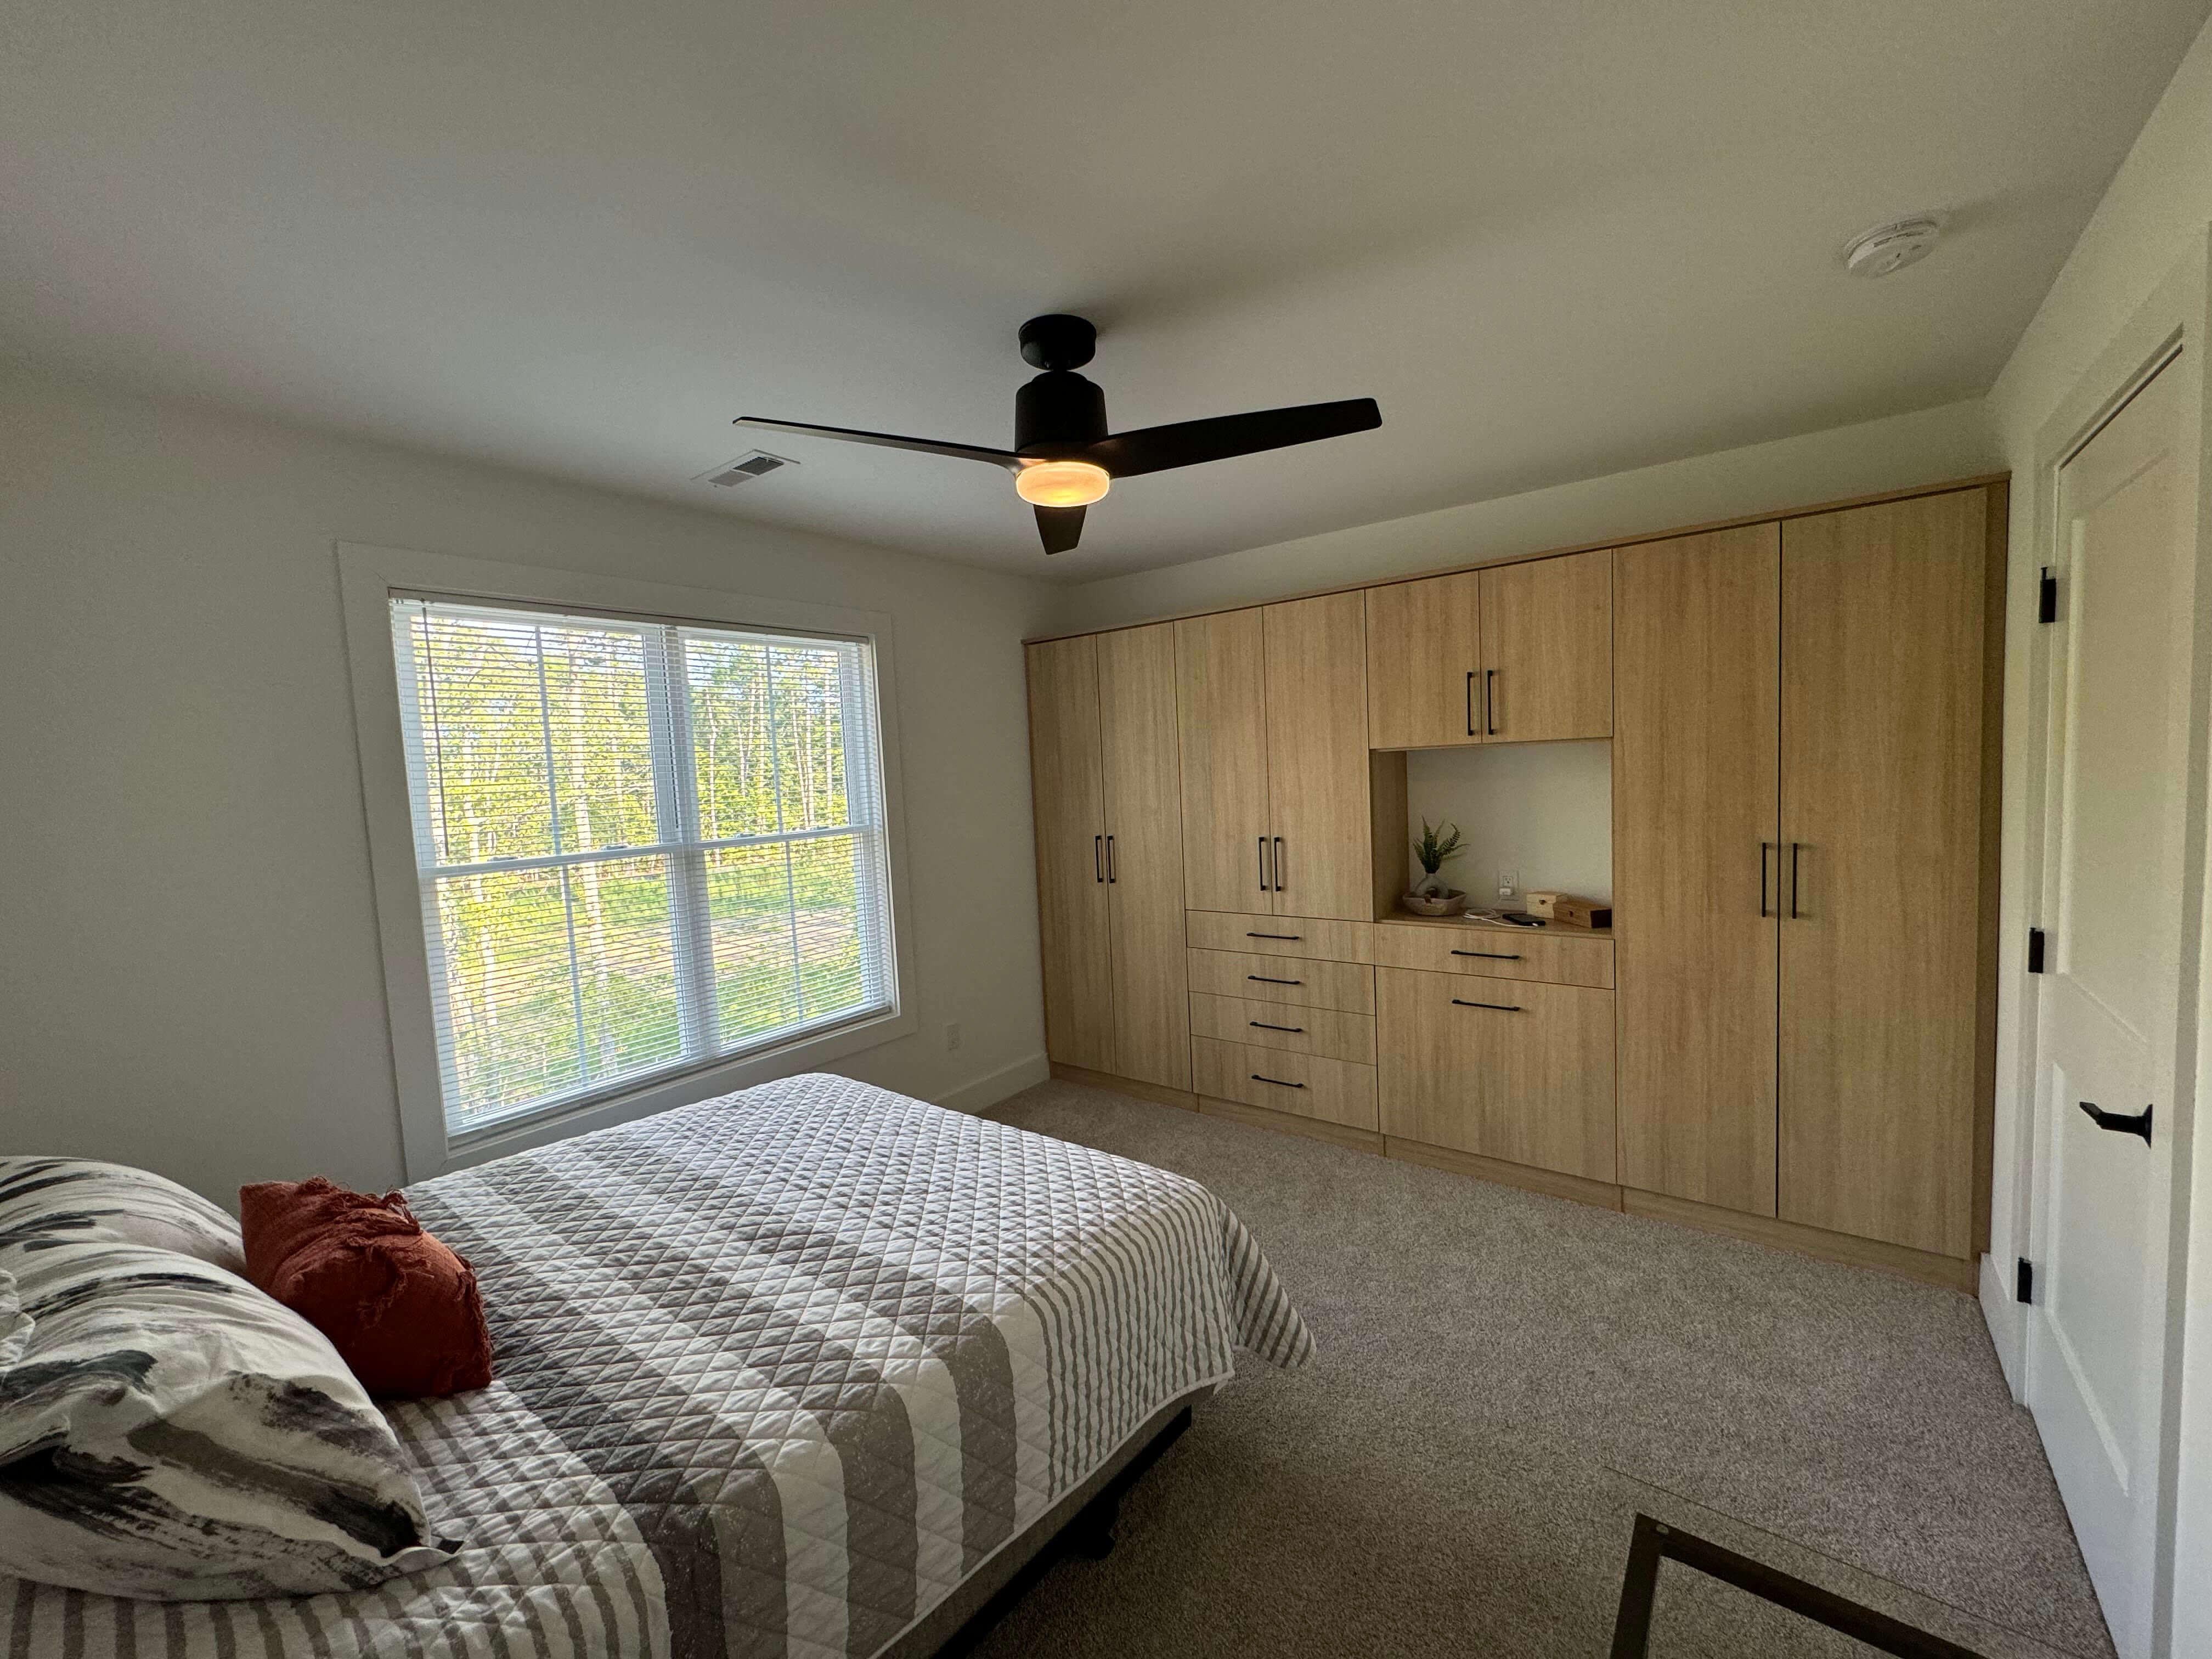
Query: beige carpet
<point x="1503" y="1380"/>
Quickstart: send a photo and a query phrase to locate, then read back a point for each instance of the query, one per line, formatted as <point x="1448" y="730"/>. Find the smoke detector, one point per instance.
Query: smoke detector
<point x="1891" y="247"/>
<point x="755" y="464"/>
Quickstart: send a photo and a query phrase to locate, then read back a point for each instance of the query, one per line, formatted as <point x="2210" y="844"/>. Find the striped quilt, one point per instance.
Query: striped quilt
<point x="774" y="1373"/>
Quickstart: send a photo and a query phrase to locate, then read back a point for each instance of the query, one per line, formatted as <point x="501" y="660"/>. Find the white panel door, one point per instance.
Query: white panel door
<point x="2118" y="658"/>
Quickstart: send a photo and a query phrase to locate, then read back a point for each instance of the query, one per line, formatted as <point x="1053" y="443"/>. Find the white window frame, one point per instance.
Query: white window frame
<point x="369" y="578"/>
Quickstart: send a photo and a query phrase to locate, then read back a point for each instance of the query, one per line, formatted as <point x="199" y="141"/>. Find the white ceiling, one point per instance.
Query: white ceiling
<point x="1553" y="240"/>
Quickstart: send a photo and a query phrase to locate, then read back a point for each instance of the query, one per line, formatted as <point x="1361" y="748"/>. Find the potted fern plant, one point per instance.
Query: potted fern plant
<point x="1433" y="896"/>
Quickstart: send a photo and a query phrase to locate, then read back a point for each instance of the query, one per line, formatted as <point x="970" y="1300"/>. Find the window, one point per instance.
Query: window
<point x="640" y="847"/>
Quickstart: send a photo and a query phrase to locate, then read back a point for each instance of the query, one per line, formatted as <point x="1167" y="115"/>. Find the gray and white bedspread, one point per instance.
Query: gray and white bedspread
<point x="774" y="1373"/>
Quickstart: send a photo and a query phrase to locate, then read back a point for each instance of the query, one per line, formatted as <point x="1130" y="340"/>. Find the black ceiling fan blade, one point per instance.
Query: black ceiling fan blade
<point x="1156" y="449"/>
<point x="1005" y="458"/>
<point x="1061" y="528"/>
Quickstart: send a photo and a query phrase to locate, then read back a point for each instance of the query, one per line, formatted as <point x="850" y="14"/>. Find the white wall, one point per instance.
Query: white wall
<point x="1931" y="446"/>
<point x="189" y="975"/>
<point x="2159" y="201"/>
<point x="1542" y="810"/>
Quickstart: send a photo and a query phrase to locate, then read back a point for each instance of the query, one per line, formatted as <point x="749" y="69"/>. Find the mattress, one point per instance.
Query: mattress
<point x="775" y="1374"/>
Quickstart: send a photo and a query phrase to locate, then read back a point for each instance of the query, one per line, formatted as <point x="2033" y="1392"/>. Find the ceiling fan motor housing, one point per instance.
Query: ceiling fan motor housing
<point x="1058" y="412"/>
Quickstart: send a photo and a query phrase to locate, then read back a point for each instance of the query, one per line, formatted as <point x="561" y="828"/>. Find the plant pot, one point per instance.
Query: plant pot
<point x="1435" y="904"/>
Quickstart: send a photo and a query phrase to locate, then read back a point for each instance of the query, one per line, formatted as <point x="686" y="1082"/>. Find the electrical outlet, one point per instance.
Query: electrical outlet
<point x="1509" y="883"/>
<point x="951" y="1036"/>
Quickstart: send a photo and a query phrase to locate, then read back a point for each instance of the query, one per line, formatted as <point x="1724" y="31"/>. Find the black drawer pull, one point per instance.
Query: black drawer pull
<point x="1263" y="979"/>
<point x="2137" y="1123"/>
<point x="1492" y="956"/>
<point x="1277" y="1081"/>
<point x="1502" y="1007"/>
<point x="1262" y="1025"/>
<point x="1292" y="938"/>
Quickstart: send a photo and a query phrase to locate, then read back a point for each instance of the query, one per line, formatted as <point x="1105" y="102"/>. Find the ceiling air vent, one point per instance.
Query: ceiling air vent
<point x="757" y="464"/>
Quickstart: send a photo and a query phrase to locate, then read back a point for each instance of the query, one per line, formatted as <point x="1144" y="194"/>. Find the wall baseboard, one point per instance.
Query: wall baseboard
<point x="2002" y="1315"/>
<point x="977" y="1096"/>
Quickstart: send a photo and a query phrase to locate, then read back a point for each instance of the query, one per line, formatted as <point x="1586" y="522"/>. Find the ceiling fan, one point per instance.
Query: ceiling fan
<point x="1064" y="458"/>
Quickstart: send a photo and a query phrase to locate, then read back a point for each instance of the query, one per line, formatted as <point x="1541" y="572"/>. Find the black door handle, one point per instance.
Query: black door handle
<point x="1502" y="1007"/>
<point x="1762" y="879"/>
<point x="1470" y="702"/>
<point x="1278" y="864"/>
<point x="1261" y="978"/>
<point x="2120" y="1123"/>
<point x="1113" y="871"/>
<point x="1097" y="858"/>
<point x="1492" y="956"/>
<point x="1277" y="1081"/>
<point x="1263" y="864"/>
<point x="1262" y="1025"/>
<point x="1795" y="848"/>
<point x="1490" y="702"/>
<point x="1291" y="938"/>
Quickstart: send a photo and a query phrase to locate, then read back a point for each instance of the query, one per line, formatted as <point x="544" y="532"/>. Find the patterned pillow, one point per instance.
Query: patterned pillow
<point x="168" y="1430"/>
<point x="78" y="1198"/>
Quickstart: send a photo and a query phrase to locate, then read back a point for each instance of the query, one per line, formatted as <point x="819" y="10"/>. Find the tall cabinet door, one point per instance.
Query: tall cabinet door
<point x="1696" y="754"/>
<point x="1882" y="611"/>
<point x="1144" y="854"/>
<point x="1221" y="718"/>
<point x="1069" y="791"/>
<point x="1424" y="663"/>
<point x="1317" y="775"/>
<point x="1547" y="649"/>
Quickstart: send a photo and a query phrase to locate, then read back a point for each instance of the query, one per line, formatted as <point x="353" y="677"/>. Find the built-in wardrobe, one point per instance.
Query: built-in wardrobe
<point x="1787" y="1033"/>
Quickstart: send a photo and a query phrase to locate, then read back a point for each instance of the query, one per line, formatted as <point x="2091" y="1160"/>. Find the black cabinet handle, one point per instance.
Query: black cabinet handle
<point x="1795" y="848"/>
<point x="1113" y="870"/>
<point x="1098" y="858"/>
<point x="1261" y="978"/>
<point x="1762" y="878"/>
<point x="1490" y="702"/>
<point x="1263" y="864"/>
<point x="1470" y="702"/>
<point x="1277" y="1081"/>
<point x="1492" y="956"/>
<point x="1278" y="864"/>
<point x="2119" y="1122"/>
<point x="1502" y="1007"/>
<point x="1262" y="1025"/>
<point x="1291" y="938"/>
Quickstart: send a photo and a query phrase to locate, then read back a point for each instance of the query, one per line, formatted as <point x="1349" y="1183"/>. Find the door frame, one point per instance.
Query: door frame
<point x="2173" y="321"/>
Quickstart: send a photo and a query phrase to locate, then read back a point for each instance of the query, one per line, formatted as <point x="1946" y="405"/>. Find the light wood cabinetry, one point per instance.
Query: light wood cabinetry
<point x="1144" y="853"/>
<point x="1341" y="985"/>
<point x="1329" y="1032"/>
<point x="1322" y="937"/>
<point x="1221" y="717"/>
<point x="1547" y="649"/>
<point x="1883" y="612"/>
<point x="1065" y="765"/>
<point x="1497" y="952"/>
<point x="1424" y="663"/>
<point x="1303" y="1086"/>
<point x="1520" y="1071"/>
<point x="1696" y="759"/>
<point x="1320" y="862"/>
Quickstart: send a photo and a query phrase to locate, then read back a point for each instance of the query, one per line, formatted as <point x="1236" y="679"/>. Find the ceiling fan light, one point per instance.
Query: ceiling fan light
<point x="1061" y="483"/>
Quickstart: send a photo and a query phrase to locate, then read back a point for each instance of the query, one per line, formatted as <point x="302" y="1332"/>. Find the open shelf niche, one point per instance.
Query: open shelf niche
<point x="1542" y="810"/>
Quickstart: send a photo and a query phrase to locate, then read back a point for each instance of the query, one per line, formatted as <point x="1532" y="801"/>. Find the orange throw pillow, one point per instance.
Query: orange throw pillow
<point x="402" y="1310"/>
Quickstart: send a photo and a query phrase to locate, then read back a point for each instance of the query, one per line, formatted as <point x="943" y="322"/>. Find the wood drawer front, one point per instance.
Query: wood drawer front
<point x="1528" y="1079"/>
<point x="1329" y="1032"/>
<point x="1522" y="953"/>
<point x="1307" y="1085"/>
<point x="1341" y="985"/>
<point x="1311" y="937"/>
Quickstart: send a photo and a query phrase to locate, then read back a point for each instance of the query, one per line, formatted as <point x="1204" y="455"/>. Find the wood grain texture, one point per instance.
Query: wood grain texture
<point x="1882" y="630"/>
<point x="1319" y="937"/>
<point x="1950" y="1272"/>
<point x="1064" y="769"/>
<point x="1424" y="663"/>
<point x="1548" y="647"/>
<point x="1221" y="724"/>
<point x="1183" y="1099"/>
<point x="1297" y="984"/>
<point x="1329" y="1032"/>
<point x="1317" y="771"/>
<point x="1531" y="1082"/>
<point x="1696" y="814"/>
<point x="1551" y="1183"/>
<point x="1303" y="1086"/>
<point x="1144" y="854"/>
<point x="1307" y="1128"/>
<point x="1495" y="952"/>
<point x="1392" y="846"/>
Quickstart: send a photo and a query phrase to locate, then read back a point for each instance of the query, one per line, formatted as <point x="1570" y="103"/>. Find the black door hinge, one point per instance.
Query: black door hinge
<point x="2035" y="949"/>
<point x="2047" y="597"/>
<point x="2023" y="1284"/>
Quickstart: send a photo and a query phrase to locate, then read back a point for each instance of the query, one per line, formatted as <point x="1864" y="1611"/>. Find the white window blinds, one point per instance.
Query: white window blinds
<point x="642" y="846"/>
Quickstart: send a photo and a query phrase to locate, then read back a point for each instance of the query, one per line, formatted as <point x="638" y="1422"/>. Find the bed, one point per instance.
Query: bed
<point x="809" y="1369"/>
